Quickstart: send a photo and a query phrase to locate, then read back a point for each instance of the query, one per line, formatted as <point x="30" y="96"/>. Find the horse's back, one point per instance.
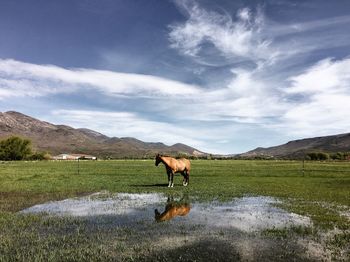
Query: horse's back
<point x="183" y="210"/>
<point x="173" y="210"/>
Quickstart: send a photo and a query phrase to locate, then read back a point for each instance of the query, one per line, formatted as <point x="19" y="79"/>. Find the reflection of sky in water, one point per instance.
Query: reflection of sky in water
<point x="246" y="213"/>
<point x="99" y="204"/>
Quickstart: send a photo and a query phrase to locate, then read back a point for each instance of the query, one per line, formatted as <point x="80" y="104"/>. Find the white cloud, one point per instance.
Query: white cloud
<point x="317" y="24"/>
<point x="189" y="114"/>
<point x="323" y="115"/>
<point x="240" y="38"/>
<point x="326" y="76"/>
<point x="251" y="36"/>
<point x="25" y="79"/>
<point x="240" y="101"/>
<point x="246" y="99"/>
<point x="20" y="87"/>
<point x="126" y="124"/>
<point x="326" y="104"/>
<point x="312" y="102"/>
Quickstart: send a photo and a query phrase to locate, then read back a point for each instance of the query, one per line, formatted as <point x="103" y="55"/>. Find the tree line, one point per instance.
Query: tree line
<point x="17" y="148"/>
<point x="328" y="156"/>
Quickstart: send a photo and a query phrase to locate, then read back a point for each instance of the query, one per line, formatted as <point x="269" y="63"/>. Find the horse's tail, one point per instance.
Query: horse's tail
<point x="188" y="165"/>
<point x="188" y="169"/>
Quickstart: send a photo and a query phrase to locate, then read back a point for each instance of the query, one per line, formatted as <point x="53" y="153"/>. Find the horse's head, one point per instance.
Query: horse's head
<point x="156" y="214"/>
<point x="158" y="159"/>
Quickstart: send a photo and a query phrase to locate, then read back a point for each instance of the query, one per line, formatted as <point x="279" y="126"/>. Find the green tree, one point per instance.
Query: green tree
<point x="337" y="156"/>
<point x="322" y="156"/>
<point x="312" y="155"/>
<point x="15" y="148"/>
<point x="318" y="156"/>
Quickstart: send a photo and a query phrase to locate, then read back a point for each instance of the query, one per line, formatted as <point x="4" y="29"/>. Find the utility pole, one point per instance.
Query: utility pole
<point x="78" y="166"/>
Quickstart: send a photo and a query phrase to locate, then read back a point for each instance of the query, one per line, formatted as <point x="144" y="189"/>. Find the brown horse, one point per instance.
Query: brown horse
<point x="172" y="209"/>
<point x="173" y="166"/>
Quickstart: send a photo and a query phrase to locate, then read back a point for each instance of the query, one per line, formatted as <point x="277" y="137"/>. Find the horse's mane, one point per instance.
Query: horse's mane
<point x="176" y="157"/>
<point x="163" y="155"/>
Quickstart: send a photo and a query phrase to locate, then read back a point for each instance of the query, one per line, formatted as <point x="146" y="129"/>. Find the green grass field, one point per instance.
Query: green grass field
<point x="321" y="192"/>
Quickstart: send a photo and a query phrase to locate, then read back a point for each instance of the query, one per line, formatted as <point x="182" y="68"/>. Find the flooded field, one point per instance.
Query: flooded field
<point x="231" y="211"/>
<point x="246" y="214"/>
<point x="239" y="229"/>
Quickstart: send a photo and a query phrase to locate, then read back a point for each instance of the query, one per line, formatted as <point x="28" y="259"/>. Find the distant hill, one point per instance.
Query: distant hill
<point x="57" y="139"/>
<point x="297" y="148"/>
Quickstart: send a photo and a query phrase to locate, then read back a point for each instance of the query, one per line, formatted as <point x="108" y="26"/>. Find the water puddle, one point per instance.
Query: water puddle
<point x="245" y="214"/>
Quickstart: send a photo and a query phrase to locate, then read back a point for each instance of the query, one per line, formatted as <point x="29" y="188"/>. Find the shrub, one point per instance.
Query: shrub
<point x="15" y="148"/>
<point x="40" y="156"/>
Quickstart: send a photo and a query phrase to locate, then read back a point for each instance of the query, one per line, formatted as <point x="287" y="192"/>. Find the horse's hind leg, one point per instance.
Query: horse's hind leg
<point x="186" y="179"/>
<point x="169" y="182"/>
<point x="172" y="179"/>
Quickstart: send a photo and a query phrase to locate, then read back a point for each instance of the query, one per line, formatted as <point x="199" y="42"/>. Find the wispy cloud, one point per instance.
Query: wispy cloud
<point x="251" y="36"/>
<point x="128" y="124"/>
<point x="213" y="138"/>
<point x="241" y="74"/>
<point x="279" y="91"/>
<point x="25" y="79"/>
<point x="238" y="37"/>
<point x="310" y="25"/>
<point x="313" y="102"/>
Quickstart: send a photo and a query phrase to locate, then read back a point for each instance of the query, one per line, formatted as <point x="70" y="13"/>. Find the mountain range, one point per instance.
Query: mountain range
<point x="298" y="148"/>
<point x="57" y="139"/>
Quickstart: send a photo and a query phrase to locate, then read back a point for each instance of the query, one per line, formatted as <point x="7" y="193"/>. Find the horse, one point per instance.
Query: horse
<point x="172" y="209"/>
<point x="173" y="166"/>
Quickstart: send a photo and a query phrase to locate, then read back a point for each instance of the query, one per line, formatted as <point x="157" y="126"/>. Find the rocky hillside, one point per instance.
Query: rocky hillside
<point x="57" y="139"/>
<point x="297" y="148"/>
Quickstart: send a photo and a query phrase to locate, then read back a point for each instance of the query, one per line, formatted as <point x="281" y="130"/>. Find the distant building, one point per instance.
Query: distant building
<point x="74" y="157"/>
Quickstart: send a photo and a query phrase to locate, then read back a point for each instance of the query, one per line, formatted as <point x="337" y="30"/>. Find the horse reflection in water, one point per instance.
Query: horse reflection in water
<point x="173" y="209"/>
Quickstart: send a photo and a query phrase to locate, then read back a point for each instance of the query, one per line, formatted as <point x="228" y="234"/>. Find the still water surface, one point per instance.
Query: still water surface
<point x="246" y="214"/>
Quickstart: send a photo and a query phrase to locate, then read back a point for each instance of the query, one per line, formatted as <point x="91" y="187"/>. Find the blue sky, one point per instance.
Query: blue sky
<point x="222" y="76"/>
